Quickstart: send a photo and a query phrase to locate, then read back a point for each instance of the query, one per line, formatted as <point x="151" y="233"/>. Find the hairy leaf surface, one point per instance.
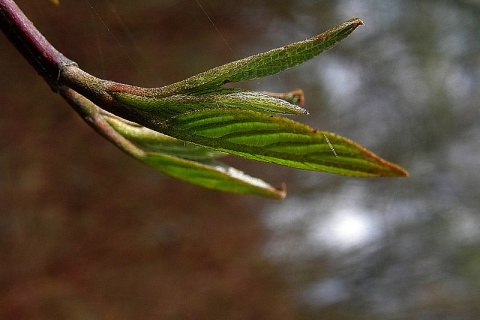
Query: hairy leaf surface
<point x="278" y="140"/>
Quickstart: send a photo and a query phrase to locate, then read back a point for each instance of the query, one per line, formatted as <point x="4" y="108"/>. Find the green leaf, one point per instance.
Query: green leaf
<point x="266" y="63"/>
<point x="153" y="141"/>
<point x="215" y="120"/>
<point x="277" y="140"/>
<point x="240" y="122"/>
<point x="167" y="107"/>
<point x="213" y="175"/>
<point x="253" y="67"/>
<point x="188" y="162"/>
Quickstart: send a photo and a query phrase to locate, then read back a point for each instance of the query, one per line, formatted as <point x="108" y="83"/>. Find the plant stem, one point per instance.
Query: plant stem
<point x="44" y="58"/>
<point x="52" y="65"/>
<point x="62" y="73"/>
<point x="92" y="114"/>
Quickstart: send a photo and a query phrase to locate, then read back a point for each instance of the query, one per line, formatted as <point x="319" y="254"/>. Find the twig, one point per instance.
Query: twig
<point x="44" y="58"/>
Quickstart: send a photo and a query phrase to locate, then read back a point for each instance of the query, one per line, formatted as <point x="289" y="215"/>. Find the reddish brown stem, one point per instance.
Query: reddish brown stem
<point x="52" y="65"/>
<point x="46" y="60"/>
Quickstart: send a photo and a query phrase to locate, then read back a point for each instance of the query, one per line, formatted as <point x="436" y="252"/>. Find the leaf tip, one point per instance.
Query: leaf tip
<point x="353" y="23"/>
<point x="401" y="172"/>
<point x="393" y="170"/>
<point x="357" y="22"/>
<point x="281" y="192"/>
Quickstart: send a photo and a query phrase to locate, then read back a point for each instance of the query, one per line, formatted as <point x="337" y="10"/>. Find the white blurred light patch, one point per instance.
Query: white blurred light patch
<point x="304" y="228"/>
<point x="345" y="228"/>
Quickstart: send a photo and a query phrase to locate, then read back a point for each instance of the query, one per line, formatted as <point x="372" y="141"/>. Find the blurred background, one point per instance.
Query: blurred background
<point x="88" y="233"/>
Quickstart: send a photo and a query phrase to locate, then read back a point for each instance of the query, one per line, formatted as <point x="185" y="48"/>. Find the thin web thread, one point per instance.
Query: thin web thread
<point x="223" y="38"/>
<point x="215" y="26"/>
<point x="116" y="40"/>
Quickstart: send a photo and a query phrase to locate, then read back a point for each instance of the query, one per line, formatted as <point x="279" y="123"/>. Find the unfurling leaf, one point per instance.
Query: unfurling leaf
<point x="173" y="105"/>
<point x="263" y="64"/>
<point x="256" y="66"/>
<point x="189" y="162"/>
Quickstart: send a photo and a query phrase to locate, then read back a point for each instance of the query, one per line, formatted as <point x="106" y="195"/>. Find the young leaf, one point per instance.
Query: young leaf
<point x="200" y="111"/>
<point x="266" y="63"/>
<point x="188" y="162"/>
<point x="278" y="140"/>
<point x="167" y="107"/>
<point x="153" y="141"/>
<point x="212" y="175"/>
<point x="253" y="67"/>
